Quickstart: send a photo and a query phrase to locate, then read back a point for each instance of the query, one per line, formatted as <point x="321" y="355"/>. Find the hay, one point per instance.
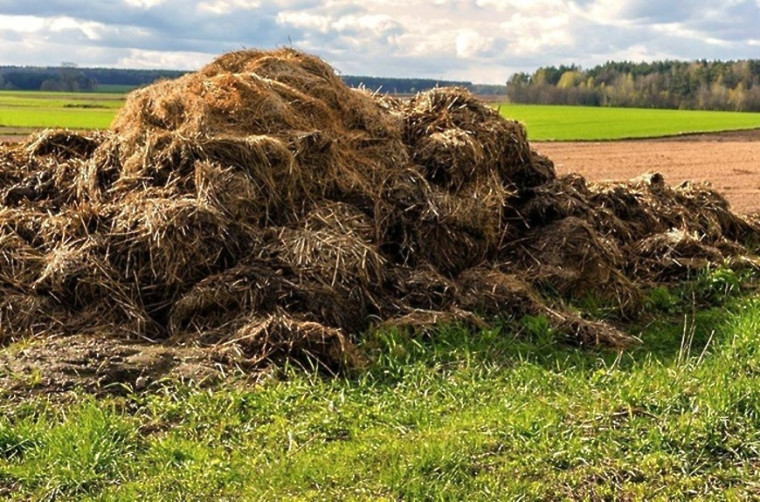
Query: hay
<point x="263" y="210"/>
<point x="672" y="255"/>
<point x="169" y="241"/>
<point x="423" y="288"/>
<point x="276" y="337"/>
<point x="570" y="255"/>
<point x="27" y="315"/>
<point x="332" y="258"/>
<point x="455" y="138"/>
<point x="64" y="144"/>
<point x="20" y="263"/>
<point x="491" y="292"/>
<point x="213" y="306"/>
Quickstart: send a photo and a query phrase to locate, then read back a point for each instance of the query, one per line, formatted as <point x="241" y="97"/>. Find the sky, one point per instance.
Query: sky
<point x="482" y="41"/>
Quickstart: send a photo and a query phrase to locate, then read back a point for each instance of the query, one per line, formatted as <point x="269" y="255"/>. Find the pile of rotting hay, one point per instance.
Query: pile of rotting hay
<point x="261" y="209"/>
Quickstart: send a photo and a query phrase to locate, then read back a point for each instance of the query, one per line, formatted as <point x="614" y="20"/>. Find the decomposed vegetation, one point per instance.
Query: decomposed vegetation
<point x="261" y="209"/>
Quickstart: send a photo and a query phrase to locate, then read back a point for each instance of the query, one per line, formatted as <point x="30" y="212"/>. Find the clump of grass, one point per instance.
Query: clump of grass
<point x="716" y="284"/>
<point x="66" y="453"/>
<point x="661" y="300"/>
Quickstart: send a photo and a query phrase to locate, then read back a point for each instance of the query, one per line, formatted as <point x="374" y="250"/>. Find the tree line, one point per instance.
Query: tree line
<point x="70" y="78"/>
<point x="698" y="85"/>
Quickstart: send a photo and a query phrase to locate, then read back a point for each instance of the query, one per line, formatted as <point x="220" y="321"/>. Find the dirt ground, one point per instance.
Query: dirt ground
<point x="101" y="364"/>
<point x="730" y="161"/>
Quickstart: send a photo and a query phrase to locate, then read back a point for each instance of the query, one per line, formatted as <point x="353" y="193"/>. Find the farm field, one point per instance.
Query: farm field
<point x="580" y="123"/>
<point x="28" y="110"/>
<point x="729" y="161"/>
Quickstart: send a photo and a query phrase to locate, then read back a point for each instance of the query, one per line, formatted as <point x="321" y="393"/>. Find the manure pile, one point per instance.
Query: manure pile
<point x="261" y="209"/>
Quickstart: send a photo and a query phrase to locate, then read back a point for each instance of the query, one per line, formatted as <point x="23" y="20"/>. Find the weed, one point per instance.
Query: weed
<point x="661" y="300"/>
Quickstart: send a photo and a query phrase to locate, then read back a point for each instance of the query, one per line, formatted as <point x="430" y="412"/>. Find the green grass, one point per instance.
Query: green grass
<point x="25" y="109"/>
<point x="494" y="415"/>
<point x="564" y="123"/>
<point x="114" y="88"/>
<point x="39" y="117"/>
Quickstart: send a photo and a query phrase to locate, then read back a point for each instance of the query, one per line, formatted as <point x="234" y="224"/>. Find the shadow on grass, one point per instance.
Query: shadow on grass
<point x="679" y="325"/>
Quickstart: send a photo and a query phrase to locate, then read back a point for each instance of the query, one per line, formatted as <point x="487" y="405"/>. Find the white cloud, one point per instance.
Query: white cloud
<point x="161" y="60"/>
<point x="144" y="4"/>
<point x="478" y="40"/>
<point x="677" y="30"/>
<point x="21" y="24"/>
<point x="528" y="34"/>
<point x="306" y="20"/>
<point x="471" y="44"/>
<point x="227" y="6"/>
<point x="371" y="25"/>
<point x="376" y="24"/>
<point x="91" y="30"/>
<point x="607" y="12"/>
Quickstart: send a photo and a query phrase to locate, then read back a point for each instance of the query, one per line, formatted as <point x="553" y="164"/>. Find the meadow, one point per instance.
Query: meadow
<point x="25" y="110"/>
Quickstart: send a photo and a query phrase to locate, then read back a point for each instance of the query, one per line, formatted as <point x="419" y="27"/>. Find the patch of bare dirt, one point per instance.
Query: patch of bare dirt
<point x="100" y="364"/>
<point x="730" y="161"/>
<point x="741" y="135"/>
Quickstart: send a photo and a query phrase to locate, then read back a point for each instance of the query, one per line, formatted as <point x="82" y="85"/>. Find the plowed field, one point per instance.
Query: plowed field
<point x="730" y="161"/>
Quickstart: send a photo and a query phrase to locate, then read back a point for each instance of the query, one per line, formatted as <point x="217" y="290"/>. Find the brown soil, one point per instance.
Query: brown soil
<point x="730" y="161"/>
<point x="100" y="364"/>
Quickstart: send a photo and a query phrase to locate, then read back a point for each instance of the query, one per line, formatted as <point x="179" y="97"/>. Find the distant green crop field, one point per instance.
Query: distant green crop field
<point x="30" y="109"/>
<point x="114" y="88"/>
<point x="558" y="123"/>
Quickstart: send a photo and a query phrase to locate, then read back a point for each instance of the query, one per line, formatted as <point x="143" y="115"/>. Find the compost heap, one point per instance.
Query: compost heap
<point x="263" y="206"/>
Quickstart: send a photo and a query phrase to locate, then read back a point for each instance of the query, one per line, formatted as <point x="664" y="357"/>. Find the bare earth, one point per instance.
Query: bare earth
<point x="730" y="161"/>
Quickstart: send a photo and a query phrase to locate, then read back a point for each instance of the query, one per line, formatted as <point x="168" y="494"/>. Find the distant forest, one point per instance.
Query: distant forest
<point x="72" y="79"/>
<point x="699" y="85"/>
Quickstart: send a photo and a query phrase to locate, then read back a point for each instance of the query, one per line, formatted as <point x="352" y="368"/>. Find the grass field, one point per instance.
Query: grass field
<point x="26" y="109"/>
<point x="562" y="123"/>
<point x="29" y="110"/>
<point x="503" y="414"/>
<point x="114" y="88"/>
